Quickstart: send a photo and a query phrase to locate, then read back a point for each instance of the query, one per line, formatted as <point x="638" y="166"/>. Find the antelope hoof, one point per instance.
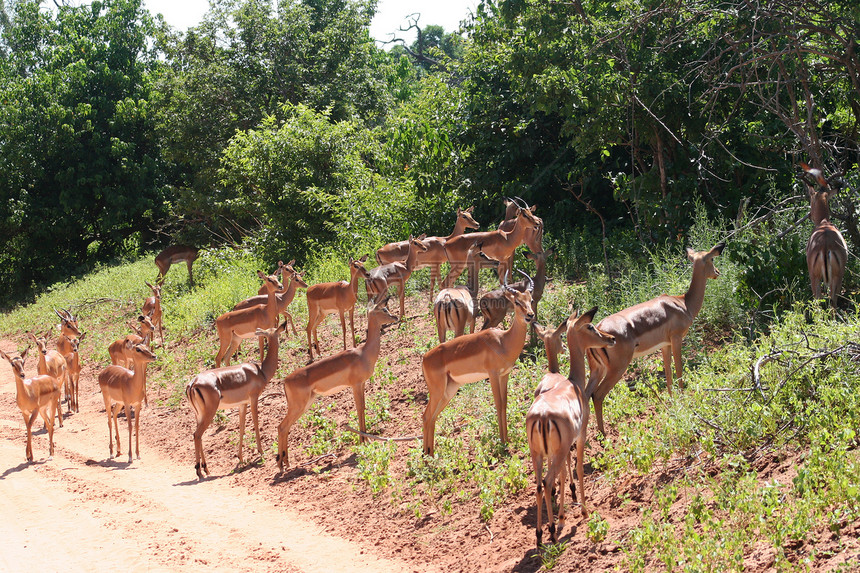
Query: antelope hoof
<point x="197" y="469"/>
<point x="552" y="533"/>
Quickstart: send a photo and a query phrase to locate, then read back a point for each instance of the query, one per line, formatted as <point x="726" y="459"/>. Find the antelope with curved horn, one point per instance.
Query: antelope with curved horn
<point x="123" y="387"/>
<point x="473" y="357"/>
<point x="498" y="244"/>
<point x="236" y="325"/>
<point x="328" y="375"/>
<point x="558" y="418"/>
<point x="383" y="276"/>
<point x="660" y="323"/>
<point x="826" y="251"/>
<point x="53" y="364"/>
<point x="435" y="255"/>
<point x="284" y="297"/>
<point x="68" y="329"/>
<point x="228" y="387"/>
<point x="328" y="298"/>
<point x="36" y="396"/>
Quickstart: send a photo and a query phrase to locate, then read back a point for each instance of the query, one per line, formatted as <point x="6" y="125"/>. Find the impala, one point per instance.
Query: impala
<point x="435" y="255"/>
<point x="535" y="236"/>
<point x="328" y="375"/>
<point x="337" y="297"/>
<point x="558" y="418"/>
<point x="228" y="387"/>
<point x="284" y="297"/>
<point x="123" y="387"/>
<point x="495" y="305"/>
<point x="236" y="325"/>
<point x="498" y="244"/>
<point x="285" y="270"/>
<point x="152" y="308"/>
<point x="175" y="254"/>
<point x="660" y="323"/>
<point x="455" y="306"/>
<point x="121" y="351"/>
<point x="473" y="357"/>
<point x="826" y="251"/>
<point x="73" y="369"/>
<point x="53" y="364"/>
<point x="38" y="395"/>
<point x="551" y="338"/>
<point x="383" y="276"/>
<point x="68" y="331"/>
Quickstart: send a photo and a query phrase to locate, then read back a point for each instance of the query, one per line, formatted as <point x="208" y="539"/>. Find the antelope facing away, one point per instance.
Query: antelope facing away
<point x="335" y="297"/>
<point x="36" y="396"/>
<point x="660" y="323"/>
<point x="473" y="357"/>
<point x="558" y="418"/>
<point x="383" y="276"/>
<point x="284" y="297"/>
<point x="435" y="254"/>
<point x="175" y="254"/>
<point x="53" y="364"/>
<point x="123" y="387"/>
<point x="826" y="251"/>
<point x="68" y="331"/>
<point x="228" y="387"/>
<point x="454" y="307"/>
<point x="236" y="325"/>
<point x="328" y="375"/>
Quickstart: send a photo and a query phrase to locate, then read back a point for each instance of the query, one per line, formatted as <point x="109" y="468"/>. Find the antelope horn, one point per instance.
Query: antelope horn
<point x="531" y="282"/>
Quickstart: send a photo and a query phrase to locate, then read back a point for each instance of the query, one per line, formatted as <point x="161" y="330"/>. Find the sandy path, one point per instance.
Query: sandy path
<point x="80" y="511"/>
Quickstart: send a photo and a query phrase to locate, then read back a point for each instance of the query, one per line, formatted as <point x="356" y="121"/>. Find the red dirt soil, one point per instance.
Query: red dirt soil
<point x="153" y="514"/>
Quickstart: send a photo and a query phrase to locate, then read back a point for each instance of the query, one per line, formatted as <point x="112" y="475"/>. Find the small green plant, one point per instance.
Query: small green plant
<point x="598" y="528"/>
<point x="549" y="554"/>
<point x="373" y="464"/>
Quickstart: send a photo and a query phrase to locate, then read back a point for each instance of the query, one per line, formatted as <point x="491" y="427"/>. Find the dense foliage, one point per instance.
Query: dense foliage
<point x="284" y="126"/>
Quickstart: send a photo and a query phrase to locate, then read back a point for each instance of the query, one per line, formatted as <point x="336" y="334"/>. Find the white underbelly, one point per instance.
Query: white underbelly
<point x="642" y="352"/>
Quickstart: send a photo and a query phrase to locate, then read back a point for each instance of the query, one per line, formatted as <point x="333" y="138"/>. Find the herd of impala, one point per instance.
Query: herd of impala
<point x="558" y="417"/>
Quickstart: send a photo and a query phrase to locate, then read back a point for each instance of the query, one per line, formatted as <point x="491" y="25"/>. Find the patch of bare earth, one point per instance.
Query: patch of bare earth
<point x="318" y="516"/>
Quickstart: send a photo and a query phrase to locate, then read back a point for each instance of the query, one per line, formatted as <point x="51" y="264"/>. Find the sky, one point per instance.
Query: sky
<point x="390" y="14"/>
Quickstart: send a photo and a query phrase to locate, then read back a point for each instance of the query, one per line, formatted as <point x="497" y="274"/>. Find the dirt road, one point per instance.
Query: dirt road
<point x="82" y="511"/>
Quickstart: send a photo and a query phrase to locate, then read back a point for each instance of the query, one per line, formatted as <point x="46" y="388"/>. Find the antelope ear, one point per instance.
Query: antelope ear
<point x="470" y="210"/>
<point x="261" y="274"/>
<point x="717" y="250"/>
<point x="690" y="253"/>
<point x="422" y="237"/>
<point x="533" y="208"/>
<point x="586" y="317"/>
<point x="23" y="354"/>
<point x="5" y="356"/>
<point x="363" y="258"/>
<point x="562" y="327"/>
<point x="291" y="263"/>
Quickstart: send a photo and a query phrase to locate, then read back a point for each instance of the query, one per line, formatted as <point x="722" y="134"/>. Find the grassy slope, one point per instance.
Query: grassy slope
<point x="738" y="476"/>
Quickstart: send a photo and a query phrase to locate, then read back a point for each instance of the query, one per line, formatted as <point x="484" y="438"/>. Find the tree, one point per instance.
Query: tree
<point x="76" y="138"/>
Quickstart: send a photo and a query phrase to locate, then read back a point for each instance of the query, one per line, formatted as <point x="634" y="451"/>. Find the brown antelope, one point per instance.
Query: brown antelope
<point x="53" y="364"/>
<point x="73" y="369"/>
<point x="455" y="306"/>
<point x="38" y="395"/>
<point x="282" y="298"/>
<point x="551" y="338"/>
<point x="328" y="375"/>
<point x="68" y="331"/>
<point x="660" y="323"/>
<point x="473" y="357"/>
<point x="286" y="271"/>
<point x="175" y="254"/>
<point x="499" y="245"/>
<point x="826" y="251"/>
<point x="152" y="308"/>
<point x="236" y="325"/>
<point x="228" y="387"/>
<point x="336" y="297"/>
<point x="120" y="351"/>
<point x="508" y="223"/>
<point x="494" y="306"/>
<point x="382" y="277"/>
<point x="559" y="417"/>
<point x="123" y="387"/>
<point x="435" y="255"/>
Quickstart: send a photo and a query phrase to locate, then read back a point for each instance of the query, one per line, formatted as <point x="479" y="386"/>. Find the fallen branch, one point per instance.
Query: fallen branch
<point x="316" y="459"/>
<point x="380" y="438"/>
